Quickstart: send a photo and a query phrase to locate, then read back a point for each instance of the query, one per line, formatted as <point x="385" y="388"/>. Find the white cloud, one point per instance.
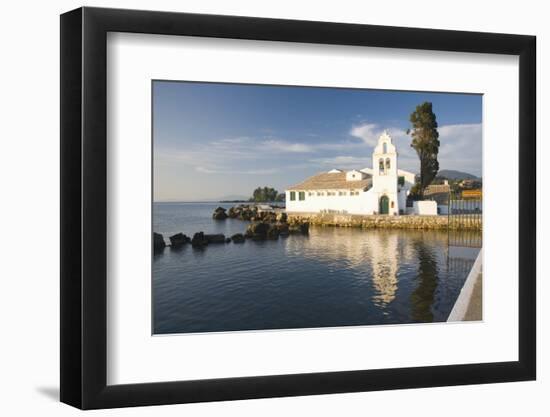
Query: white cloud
<point x="247" y="144"/>
<point x="370" y="132"/>
<point x="367" y="132"/>
<point x="208" y="170"/>
<point x="282" y="146"/>
<point x="246" y="156"/>
<point x="205" y="170"/>
<point x="398" y="134"/>
<point x="457" y="138"/>
<point x="342" y="161"/>
<point x="232" y="141"/>
<point x="340" y="146"/>
<point x="460" y="145"/>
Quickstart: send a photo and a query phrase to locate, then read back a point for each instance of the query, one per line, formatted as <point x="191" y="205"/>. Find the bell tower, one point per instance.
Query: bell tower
<point x="384" y="174"/>
<point x="384" y="157"/>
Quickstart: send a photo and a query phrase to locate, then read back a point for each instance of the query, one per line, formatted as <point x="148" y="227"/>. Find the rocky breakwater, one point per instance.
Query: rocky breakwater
<point x="265" y="225"/>
<point x="254" y="213"/>
<point x="272" y="231"/>
<point x="199" y="240"/>
<point x="271" y="227"/>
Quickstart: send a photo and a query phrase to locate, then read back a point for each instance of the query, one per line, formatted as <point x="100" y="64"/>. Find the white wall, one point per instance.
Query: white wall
<point x="409" y="176"/>
<point x="385" y="183"/>
<point x="29" y="172"/>
<point x="364" y="203"/>
<point x="402" y="198"/>
<point x="425" y="208"/>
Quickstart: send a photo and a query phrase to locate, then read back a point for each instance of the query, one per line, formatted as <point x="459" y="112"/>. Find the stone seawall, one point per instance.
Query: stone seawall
<point x="384" y="222"/>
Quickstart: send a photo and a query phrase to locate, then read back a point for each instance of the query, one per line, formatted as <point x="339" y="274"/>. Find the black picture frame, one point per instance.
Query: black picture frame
<point x="84" y="207"/>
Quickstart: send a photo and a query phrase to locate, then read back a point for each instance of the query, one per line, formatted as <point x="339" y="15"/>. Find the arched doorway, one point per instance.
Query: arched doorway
<point x="383" y="206"/>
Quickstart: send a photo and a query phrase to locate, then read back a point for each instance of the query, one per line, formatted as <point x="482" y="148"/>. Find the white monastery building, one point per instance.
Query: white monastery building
<point x="380" y="190"/>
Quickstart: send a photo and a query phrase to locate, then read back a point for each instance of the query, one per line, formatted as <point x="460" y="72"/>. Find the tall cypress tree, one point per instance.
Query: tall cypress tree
<point x="425" y="141"/>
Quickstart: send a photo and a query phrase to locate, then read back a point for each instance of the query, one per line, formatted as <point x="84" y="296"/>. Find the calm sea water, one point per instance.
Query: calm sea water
<point x="333" y="277"/>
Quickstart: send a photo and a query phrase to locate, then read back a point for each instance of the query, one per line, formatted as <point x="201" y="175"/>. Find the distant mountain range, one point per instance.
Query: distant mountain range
<point x="455" y="175"/>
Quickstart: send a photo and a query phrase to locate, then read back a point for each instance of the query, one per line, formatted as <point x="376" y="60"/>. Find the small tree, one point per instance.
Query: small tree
<point x="425" y="141"/>
<point x="264" y="194"/>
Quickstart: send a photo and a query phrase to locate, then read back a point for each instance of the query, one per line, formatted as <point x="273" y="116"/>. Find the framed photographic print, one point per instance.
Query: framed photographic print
<point x="258" y="207"/>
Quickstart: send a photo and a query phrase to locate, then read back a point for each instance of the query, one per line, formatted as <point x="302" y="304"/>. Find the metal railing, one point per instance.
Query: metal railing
<point x="464" y="213"/>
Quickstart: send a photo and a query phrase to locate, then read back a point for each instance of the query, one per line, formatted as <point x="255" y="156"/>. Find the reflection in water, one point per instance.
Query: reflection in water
<point x="422" y="297"/>
<point x="374" y="256"/>
<point x="333" y="277"/>
<point x="380" y="256"/>
<point x="384" y="267"/>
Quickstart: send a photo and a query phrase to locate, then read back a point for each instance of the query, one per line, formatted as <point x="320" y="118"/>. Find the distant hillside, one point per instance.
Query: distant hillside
<point x="232" y="198"/>
<point x="455" y="175"/>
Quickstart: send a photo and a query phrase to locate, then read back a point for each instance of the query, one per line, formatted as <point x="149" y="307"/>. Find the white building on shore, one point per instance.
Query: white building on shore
<point x="382" y="189"/>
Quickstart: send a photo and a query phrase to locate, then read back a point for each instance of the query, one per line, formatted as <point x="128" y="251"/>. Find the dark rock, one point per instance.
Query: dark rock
<point x="269" y="217"/>
<point x="233" y="212"/>
<point x="260" y="227"/>
<point x="227" y="240"/>
<point x="219" y="214"/>
<point x="199" y="240"/>
<point x="273" y="232"/>
<point x="282" y="217"/>
<point x="283" y="229"/>
<point x="179" y="239"/>
<point x="248" y="214"/>
<point x="158" y="242"/>
<point x="238" y="238"/>
<point x="299" y="228"/>
<point x="257" y="231"/>
<point x="217" y="238"/>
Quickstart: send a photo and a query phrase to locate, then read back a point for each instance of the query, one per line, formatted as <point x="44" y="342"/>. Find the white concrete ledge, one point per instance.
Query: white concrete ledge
<point x="458" y="313"/>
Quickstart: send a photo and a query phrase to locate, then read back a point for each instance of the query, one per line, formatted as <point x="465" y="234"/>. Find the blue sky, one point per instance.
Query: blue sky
<point x="216" y="140"/>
